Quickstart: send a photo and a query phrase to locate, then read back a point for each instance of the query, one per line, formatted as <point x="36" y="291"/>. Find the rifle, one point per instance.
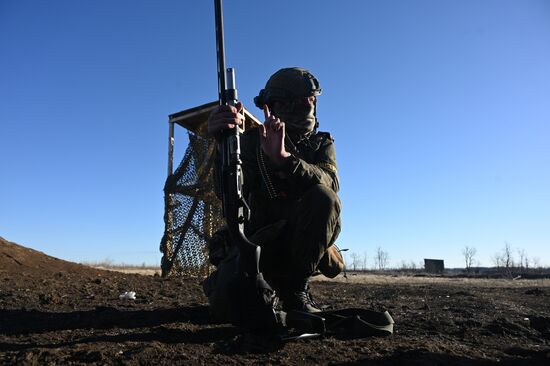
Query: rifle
<point x="255" y="294"/>
<point x="235" y="208"/>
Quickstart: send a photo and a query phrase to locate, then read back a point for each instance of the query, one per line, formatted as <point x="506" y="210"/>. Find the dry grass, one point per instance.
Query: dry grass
<point x="364" y="278"/>
<point x="413" y="281"/>
<point x="143" y="269"/>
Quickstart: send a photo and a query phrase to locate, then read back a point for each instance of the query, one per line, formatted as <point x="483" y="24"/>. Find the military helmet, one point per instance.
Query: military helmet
<point x="288" y="83"/>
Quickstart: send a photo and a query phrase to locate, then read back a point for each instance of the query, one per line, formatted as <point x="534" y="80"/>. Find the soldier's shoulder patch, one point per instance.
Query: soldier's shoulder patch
<point x="328" y="166"/>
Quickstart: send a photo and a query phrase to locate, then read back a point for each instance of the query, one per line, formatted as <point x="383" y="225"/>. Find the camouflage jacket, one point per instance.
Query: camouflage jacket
<point x="312" y="161"/>
<point x="266" y="188"/>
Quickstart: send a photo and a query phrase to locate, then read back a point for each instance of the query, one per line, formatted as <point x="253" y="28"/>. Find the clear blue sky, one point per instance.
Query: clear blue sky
<point x="440" y="111"/>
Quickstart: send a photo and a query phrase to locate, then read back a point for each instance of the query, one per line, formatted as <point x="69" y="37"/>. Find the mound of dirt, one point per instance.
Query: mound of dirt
<point x="16" y="259"/>
<point x="56" y="312"/>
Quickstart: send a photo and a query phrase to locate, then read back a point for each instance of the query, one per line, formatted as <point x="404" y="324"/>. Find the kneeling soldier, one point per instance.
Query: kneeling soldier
<point x="291" y="185"/>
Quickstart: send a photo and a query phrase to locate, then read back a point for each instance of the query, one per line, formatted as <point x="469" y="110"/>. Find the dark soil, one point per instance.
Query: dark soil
<point x="56" y="312"/>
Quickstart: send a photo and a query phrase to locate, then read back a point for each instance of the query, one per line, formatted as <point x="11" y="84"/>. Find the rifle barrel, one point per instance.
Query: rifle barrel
<point x="220" y="51"/>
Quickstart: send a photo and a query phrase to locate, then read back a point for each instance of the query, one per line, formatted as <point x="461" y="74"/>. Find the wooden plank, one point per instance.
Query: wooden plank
<point x="194" y="119"/>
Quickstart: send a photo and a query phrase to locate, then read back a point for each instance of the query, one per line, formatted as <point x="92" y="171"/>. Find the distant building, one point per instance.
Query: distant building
<point x="434" y="265"/>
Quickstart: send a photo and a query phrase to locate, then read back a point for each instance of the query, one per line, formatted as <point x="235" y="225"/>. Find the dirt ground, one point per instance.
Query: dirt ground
<point x="56" y="312"/>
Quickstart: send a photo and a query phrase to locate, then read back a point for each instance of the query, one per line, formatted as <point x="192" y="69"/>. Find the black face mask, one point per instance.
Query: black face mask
<point x="298" y="116"/>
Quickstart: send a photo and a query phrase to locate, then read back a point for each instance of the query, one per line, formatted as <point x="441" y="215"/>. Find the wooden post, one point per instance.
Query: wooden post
<point x="170" y="148"/>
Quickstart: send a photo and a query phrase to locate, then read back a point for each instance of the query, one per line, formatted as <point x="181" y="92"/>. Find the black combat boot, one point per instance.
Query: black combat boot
<point x="296" y="297"/>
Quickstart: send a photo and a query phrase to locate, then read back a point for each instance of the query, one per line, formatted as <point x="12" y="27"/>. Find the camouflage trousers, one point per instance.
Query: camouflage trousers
<point x="294" y="238"/>
<point x="311" y="225"/>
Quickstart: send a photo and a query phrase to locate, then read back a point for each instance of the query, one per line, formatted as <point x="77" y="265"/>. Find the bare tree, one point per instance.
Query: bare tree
<point x="498" y="260"/>
<point x="507" y="256"/>
<point x="365" y="260"/>
<point x="381" y="259"/>
<point x="407" y="266"/>
<point x="521" y="254"/>
<point x="469" y="254"/>
<point x="355" y="260"/>
<point x="523" y="260"/>
<point x="504" y="260"/>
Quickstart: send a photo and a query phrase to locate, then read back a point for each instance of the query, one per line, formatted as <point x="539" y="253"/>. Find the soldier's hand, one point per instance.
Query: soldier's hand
<point x="224" y="117"/>
<point x="272" y="138"/>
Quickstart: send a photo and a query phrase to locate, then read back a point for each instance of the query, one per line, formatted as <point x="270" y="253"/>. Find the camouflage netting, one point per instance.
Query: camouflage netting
<point x="192" y="211"/>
